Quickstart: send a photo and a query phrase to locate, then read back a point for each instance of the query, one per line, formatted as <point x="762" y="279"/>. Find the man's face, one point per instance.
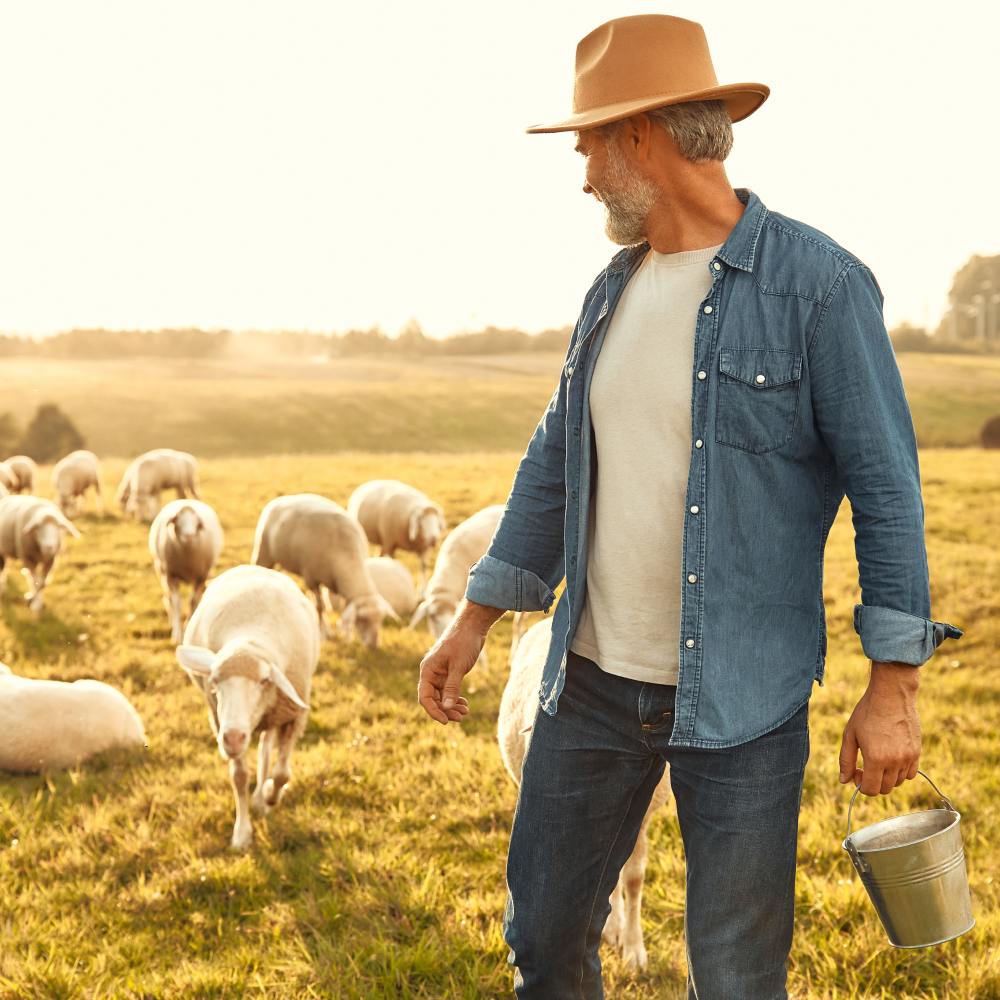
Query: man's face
<point x="627" y="194"/>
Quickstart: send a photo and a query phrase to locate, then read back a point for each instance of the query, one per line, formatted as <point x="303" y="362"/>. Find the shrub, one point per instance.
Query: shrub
<point x="10" y="434"/>
<point x="50" y="435"/>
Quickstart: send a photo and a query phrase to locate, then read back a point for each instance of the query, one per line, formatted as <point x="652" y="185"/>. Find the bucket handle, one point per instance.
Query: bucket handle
<point x="945" y="801"/>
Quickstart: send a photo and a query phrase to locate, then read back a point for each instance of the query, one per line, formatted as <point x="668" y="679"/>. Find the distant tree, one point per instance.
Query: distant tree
<point x="10" y="435"/>
<point x="990" y="434"/>
<point x="50" y="435"/>
<point x="974" y="302"/>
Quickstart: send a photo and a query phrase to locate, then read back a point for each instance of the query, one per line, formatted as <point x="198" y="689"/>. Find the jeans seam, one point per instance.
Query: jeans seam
<point x="597" y="893"/>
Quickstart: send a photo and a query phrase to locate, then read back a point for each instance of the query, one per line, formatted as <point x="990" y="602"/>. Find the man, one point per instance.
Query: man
<point x="728" y="380"/>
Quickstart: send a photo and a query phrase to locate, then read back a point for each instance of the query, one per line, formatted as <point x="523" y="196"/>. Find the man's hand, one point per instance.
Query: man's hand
<point x="450" y="659"/>
<point x="885" y="728"/>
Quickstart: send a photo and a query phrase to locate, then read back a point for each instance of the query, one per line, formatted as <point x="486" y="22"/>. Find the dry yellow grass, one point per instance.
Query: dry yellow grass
<point x="381" y="875"/>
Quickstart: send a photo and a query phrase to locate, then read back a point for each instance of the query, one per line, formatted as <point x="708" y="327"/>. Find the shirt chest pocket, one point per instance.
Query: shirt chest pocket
<point x="757" y="400"/>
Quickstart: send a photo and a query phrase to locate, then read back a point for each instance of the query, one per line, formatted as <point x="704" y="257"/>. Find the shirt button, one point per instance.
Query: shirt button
<point x="573" y="494"/>
<point x="572" y="560"/>
<point x="760" y="380"/>
<point x="692" y="578"/>
<point x="689" y="643"/>
<point x="717" y="266"/>
<point x="694" y="509"/>
<point x="569" y="371"/>
<point x="698" y="443"/>
<point x="708" y="309"/>
<point x="702" y="376"/>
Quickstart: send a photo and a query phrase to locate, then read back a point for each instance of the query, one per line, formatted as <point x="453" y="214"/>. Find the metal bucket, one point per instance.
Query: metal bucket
<point x="913" y="868"/>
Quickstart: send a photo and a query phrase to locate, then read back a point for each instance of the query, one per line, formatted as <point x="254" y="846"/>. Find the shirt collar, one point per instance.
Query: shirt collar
<point x="741" y="247"/>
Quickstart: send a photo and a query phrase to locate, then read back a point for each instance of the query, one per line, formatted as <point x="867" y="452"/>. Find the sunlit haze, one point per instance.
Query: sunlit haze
<point x="326" y="166"/>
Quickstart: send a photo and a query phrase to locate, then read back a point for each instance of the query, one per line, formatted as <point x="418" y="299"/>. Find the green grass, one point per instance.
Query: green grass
<point x="277" y="406"/>
<point x="381" y="874"/>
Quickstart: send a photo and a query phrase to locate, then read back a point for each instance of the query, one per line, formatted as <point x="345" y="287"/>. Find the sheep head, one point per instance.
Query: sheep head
<point x="365" y="615"/>
<point x="245" y="685"/>
<point x="185" y="525"/>
<point x="439" y="614"/>
<point x="427" y="526"/>
<point x="49" y="528"/>
<point x="142" y="505"/>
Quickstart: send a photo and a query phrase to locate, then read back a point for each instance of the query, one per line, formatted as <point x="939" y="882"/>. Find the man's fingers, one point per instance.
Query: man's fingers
<point x="913" y="769"/>
<point x="848" y="756"/>
<point x="452" y="687"/>
<point x="872" y="780"/>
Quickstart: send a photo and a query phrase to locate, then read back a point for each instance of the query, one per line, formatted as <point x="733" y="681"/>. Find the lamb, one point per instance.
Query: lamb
<point x="466" y="545"/>
<point x="49" y="725"/>
<point x="149" y="474"/>
<point x="32" y="530"/>
<point x="318" y="540"/>
<point x="26" y="472"/>
<point x="517" y="715"/>
<point x="73" y="476"/>
<point x="252" y="647"/>
<point x="185" y="540"/>
<point x="396" y="516"/>
<point x="393" y="581"/>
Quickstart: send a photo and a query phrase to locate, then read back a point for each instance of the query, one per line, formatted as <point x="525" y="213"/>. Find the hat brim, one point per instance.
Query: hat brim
<point x="741" y="100"/>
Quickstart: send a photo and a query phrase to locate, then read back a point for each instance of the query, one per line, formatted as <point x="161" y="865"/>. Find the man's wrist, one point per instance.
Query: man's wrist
<point x="478" y="617"/>
<point x="903" y="675"/>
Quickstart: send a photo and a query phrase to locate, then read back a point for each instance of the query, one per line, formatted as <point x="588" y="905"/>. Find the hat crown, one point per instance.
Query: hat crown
<point x="646" y="55"/>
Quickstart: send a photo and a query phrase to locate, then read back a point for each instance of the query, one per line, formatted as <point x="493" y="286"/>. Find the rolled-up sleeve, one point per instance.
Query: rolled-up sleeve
<point x="862" y="414"/>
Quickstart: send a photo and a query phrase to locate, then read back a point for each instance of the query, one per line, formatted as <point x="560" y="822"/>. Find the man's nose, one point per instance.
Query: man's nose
<point x="587" y="189"/>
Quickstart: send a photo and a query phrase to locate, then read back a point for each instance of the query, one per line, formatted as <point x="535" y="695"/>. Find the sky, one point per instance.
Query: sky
<point x="325" y="166"/>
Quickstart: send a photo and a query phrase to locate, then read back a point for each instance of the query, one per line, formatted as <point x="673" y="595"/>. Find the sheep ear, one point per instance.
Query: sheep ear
<point x="67" y="525"/>
<point x="418" y="616"/>
<point x="388" y="611"/>
<point x="284" y="685"/>
<point x="34" y="522"/>
<point x="197" y="659"/>
<point x="414" y="524"/>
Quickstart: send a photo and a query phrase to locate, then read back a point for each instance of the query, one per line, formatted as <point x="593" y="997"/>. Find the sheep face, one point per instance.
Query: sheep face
<point x="245" y="688"/>
<point x="143" y="506"/>
<point x="365" y="615"/>
<point x="185" y="525"/>
<point x="48" y="530"/>
<point x="439" y="616"/>
<point x="426" y="527"/>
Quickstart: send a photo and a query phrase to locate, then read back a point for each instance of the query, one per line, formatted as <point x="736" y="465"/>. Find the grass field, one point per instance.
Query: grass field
<point x="381" y="874"/>
<point x="216" y="408"/>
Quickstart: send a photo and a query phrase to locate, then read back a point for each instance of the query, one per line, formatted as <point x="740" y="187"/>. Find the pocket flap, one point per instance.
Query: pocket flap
<point x="761" y="369"/>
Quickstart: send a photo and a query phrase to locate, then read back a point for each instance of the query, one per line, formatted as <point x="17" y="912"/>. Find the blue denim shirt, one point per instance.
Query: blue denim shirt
<point x="795" y="399"/>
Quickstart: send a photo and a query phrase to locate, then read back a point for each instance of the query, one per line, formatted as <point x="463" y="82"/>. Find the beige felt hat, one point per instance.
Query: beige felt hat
<point x="633" y="64"/>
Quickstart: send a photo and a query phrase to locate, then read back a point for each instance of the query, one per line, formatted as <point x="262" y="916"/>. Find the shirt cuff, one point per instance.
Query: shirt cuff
<point x="891" y="636"/>
<point x="498" y="584"/>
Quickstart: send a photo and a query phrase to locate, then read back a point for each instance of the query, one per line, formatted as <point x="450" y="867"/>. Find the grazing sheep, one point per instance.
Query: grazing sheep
<point x="48" y="725"/>
<point x="318" y="540"/>
<point x="466" y="544"/>
<point x="396" y="516"/>
<point x="393" y="581"/>
<point x="251" y="647"/>
<point x="8" y="478"/>
<point x="73" y="476"/>
<point x="26" y="472"/>
<point x="185" y="540"/>
<point x="517" y="716"/>
<point x="32" y="530"/>
<point x="157" y="470"/>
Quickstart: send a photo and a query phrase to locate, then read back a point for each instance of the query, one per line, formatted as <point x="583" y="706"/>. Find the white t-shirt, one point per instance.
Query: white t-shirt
<point x="640" y="408"/>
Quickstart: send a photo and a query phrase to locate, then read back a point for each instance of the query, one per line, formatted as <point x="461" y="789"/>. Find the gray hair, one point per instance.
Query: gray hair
<point x="702" y="130"/>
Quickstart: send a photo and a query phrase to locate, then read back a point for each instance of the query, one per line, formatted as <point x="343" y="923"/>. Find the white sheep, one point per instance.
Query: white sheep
<point x="517" y="715"/>
<point x="149" y="474"/>
<point x="393" y="581"/>
<point x="32" y="530"/>
<point x="4" y="492"/>
<point x="8" y="478"/>
<point x="26" y="472"/>
<point x="73" y="476"/>
<point x="251" y="647"/>
<point x="185" y="540"/>
<point x="48" y="725"/>
<point x="318" y="540"/>
<point x="397" y="516"/>
<point x="465" y="545"/>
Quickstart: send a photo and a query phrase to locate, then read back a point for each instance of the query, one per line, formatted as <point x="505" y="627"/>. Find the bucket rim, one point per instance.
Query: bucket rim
<point x="931" y="944"/>
<point x="919" y="840"/>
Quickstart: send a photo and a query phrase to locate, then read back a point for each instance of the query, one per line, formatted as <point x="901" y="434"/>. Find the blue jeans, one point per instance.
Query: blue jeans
<point x="586" y="781"/>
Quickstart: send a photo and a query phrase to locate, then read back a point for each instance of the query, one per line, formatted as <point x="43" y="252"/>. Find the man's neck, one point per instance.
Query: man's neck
<point x="698" y="208"/>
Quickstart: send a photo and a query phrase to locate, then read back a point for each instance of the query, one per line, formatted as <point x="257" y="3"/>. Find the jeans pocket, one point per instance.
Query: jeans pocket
<point x="758" y="399"/>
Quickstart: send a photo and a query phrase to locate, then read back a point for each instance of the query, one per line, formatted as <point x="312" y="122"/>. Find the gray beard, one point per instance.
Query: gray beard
<point x="627" y="197"/>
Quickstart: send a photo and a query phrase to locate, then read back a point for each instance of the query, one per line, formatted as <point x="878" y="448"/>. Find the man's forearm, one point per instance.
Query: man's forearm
<point x="479" y="618"/>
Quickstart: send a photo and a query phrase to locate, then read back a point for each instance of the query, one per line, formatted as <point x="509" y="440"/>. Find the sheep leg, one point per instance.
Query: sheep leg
<point x="632" y="878"/>
<point x="99" y="491"/>
<point x="181" y="495"/>
<point x="615" y="926"/>
<point x="37" y="577"/>
<point x="265" y="746"/>
<point x="197" y="592"/>
<point x="274" y="787"/>
<point x="239" y="775"/>
<point x="422" y="589"/>
<point x="324" y="626"/>
<point x="175" y="610"/>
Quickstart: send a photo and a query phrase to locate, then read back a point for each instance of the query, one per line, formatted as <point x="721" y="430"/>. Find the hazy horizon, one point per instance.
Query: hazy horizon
<point x="309" y="168"/>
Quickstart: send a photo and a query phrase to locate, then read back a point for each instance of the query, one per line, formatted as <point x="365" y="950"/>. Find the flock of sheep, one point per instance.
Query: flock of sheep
<point x="252" y="639"/>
